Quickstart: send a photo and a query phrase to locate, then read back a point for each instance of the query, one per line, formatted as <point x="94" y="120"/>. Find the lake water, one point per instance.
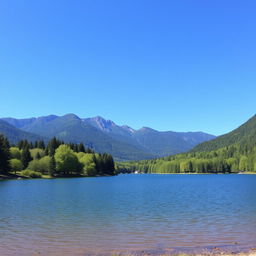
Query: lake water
<point x="127" y="213"/>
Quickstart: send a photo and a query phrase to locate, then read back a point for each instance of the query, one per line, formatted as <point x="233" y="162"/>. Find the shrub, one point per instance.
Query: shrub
<point x="31" y="174"/>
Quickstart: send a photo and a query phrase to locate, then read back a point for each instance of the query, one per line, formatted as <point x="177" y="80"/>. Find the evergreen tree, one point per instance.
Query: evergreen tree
<point x="52" y="166"/>
<point x="81" y="148"/>
<point x="26" y="157"/>
<point x="20" y="144"/>
<point x="38" y="156"/>
<point x="4" y="155"/>
<point x="76" y="148"/>
<point x="52" y="146"/>
<point x="41" y="144"/>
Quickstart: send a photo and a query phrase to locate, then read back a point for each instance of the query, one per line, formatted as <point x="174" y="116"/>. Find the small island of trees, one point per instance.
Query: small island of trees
<point x="56" y="159"/>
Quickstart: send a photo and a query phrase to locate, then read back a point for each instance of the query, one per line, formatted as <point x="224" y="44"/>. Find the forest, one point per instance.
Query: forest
<point x="56" y="159"/>
<point x="231" y="159"/>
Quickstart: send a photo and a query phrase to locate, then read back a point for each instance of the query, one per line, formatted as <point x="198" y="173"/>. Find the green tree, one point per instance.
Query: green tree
<point x="26" y="157"/>
<point x="16" y="165"/>
<point x="4" y="155"/>
<point x="52" y="146"/>
<point x="41" y="144"/>
<point x="37" y="153"/>
<point x="52" y="168"/>
<point x="15" y="153"/>
<point x="34" y="165"/>
<point x="42" y="165"/>
<point x="67" y="161"/>
<point x="81" y="148"/>
<point x="243" y="163"/>
<point x="89" y="166"/>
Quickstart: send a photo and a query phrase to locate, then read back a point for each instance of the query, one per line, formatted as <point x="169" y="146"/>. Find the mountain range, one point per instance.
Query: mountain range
<point x="123" y="142"/>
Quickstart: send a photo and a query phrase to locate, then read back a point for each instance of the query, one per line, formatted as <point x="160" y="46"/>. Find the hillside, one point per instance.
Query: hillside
<point x="243" y="134"/>
<point x="14" y="134"/>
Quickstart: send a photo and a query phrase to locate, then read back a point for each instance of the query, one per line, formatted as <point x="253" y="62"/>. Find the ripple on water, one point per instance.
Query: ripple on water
<point x="154" y="213"/>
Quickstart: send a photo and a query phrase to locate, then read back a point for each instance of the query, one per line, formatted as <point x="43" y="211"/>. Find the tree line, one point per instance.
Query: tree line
<point x="54" y="159"/>
<point x="239" y="157"/>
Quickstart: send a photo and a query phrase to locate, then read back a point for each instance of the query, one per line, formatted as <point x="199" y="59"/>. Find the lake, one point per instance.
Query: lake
<point x="127" y="213"/>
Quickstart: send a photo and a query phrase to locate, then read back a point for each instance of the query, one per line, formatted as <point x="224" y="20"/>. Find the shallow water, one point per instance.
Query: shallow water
<point x="127" y="213"/>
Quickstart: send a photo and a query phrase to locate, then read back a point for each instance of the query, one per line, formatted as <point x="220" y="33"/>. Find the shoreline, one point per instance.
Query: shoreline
<point x="193" y="173"/>
<point x="19" y="177"/>
<point x="214" y="252"/>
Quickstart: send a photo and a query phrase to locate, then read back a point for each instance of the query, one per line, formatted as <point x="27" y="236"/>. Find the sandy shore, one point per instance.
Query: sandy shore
<point x="202" y="254"/>
<point x="216" y="252"/>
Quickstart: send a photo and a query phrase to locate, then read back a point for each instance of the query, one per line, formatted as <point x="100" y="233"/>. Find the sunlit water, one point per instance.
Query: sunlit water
<point x="127" y="213"/>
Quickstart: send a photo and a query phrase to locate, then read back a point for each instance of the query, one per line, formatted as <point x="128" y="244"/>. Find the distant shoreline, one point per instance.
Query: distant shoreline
<point x="194" y="173"/>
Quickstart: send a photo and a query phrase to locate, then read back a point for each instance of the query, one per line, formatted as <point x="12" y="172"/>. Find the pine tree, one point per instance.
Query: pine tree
<point x="52" y="169"/>
<point x="41" y="144"/>
<point x="52" y="146"/>
<point x="81" y="148"/>
<point x="4" y="155"/>
<point x="37" y="156"/>
<point x="26" y="157"/>
<point x="26" y="144"/>
<point x="20" y="144"/>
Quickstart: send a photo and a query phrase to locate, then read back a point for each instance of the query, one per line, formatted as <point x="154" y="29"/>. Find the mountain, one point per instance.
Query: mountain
<point x="155" y="142"/>
<point x="71" y="128"/>
<point x="246" y="133"/>
<point x="169" y="143"/>
<point x="123" y="142"/>
<point x="14" y="134"/>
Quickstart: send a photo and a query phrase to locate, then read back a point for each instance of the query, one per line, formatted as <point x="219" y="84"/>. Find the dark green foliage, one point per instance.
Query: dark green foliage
<point x="52" y="146"/>
<point x="23" y="144"/>
<point x="81" y="147"/>
<point x="4" y="155"/>
<point x="38" y="156"/>
<point x="52" y="166"/>
<point x="41" y="144"/>
<point x="104" y="164"/>
<point x="26" y="156"/>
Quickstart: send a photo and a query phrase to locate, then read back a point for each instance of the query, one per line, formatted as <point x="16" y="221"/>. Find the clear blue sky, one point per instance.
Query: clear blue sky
<point x="171" y="65"/>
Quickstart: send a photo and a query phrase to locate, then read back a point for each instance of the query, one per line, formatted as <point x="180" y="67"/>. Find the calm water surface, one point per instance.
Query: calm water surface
<point x="127" y="213"/>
